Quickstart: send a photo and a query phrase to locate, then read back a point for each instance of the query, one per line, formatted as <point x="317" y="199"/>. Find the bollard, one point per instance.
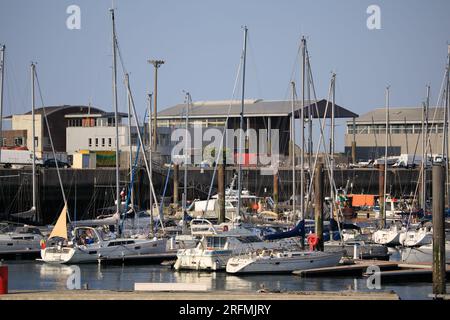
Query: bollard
<point x="3" y="279"/>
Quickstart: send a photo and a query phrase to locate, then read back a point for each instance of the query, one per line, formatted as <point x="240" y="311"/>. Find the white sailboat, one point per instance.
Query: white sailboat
<point x="92" y="244"/>
<point x="388" y="236"/>
<point x="282" y="261"/>
<point x="20" y="240"/>
<point x="214" y="250"/>
<point x="423" y="254"/>
<point x="416" y="238"/>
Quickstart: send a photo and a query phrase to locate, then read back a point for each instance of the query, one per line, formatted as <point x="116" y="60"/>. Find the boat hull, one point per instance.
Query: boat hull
<point x="310" y="260"/>
<point x="90" y="254"/>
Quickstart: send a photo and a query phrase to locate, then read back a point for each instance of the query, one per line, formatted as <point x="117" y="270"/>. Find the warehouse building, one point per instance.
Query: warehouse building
<point x="406" y="125"/>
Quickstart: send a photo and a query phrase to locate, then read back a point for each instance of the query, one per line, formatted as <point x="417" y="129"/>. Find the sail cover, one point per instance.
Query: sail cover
<point x="60" y="229"/>
<point x="25" y="215"/>
<point x="298" y="231"/>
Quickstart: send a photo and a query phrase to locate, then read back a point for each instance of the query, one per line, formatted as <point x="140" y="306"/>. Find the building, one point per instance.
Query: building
<point x="20" y="134"/>
<point x="405" y="132"/>
<point x="258" y="114"/>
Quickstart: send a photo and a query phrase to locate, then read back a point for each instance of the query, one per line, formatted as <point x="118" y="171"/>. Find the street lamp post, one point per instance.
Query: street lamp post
<point x="156" y="64"/>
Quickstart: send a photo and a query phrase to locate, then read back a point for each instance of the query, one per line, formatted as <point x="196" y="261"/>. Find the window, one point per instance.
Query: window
<point x="109" y="142"/>
<point x="90" y="142"/>
<point x="96" y="142"/>
<point x="17" y="141"/>
<point x="103" y="142"/>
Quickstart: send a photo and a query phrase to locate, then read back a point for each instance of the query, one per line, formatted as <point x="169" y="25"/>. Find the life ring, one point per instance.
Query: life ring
<point x="313" y="241"/>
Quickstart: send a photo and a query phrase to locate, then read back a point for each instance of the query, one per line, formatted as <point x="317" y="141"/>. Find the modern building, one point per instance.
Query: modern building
<point x="404" y="135"/>
<point x="20" y="134"/>
<point x="258" y="114"/>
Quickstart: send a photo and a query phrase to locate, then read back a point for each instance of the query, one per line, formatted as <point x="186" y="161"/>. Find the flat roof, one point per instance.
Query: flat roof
<point x="252" y="108"/>
<point x="400" y="115"/>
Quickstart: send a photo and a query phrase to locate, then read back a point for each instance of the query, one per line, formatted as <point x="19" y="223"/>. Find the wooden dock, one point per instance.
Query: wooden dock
<point x="390" y="271"/>
<point x="356" y="269"/>
<point x="217" y="295"/>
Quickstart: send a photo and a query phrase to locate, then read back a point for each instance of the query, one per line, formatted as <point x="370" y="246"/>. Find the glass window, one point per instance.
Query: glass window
<point x="397" y="128"/>
<point x="96" y="142"/>
<point x="109" y="142"/>
<point x="90" y="142"/>
<point x="103" y="142"/>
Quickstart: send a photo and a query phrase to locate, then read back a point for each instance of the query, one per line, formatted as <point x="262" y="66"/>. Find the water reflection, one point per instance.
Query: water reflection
<point x="40" y="276"/>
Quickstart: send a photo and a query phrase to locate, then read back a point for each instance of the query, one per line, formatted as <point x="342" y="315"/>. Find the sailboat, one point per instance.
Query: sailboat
<point x="282" y="261"/>
<point x="24" y="239"/>
<point x="90" y="244"/>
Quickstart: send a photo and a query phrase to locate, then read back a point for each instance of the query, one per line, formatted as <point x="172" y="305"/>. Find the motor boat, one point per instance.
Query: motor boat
<point x="282" y="261"/>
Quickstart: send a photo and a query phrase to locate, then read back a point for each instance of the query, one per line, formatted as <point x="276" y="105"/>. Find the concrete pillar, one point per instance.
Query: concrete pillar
<point x="318" y="204"/>
<point x="438" y="230"/>
<point x="176" y="169"/>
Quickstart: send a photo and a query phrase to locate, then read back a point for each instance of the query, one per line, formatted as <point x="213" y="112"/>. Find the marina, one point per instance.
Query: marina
<point x="307" y="196"/>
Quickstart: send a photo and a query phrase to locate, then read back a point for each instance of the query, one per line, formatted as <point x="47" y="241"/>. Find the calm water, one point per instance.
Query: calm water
<point x="31" y="275"/>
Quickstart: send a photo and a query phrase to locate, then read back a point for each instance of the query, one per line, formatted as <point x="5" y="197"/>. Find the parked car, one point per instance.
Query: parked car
<point x="51" y="163"/>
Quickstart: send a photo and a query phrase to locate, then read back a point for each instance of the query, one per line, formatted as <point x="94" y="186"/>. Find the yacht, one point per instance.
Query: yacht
<point x="89" y="244"/>
<point x="389" y="236"/>
<point x="282" y="261"/>
<point x="92" y="244"/>
<point x="20" y="239"/>
<point x="418" y="237"/>
<point x="423" y="254"/>
<point x="215" y="249"/>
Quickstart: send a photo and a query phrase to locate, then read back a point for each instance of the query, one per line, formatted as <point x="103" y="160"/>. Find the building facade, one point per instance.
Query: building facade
<point x="20" y="134"/>
<point x="406" y="128"/>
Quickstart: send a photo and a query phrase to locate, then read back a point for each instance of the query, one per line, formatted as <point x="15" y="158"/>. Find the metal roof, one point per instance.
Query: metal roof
<point x="52" y="109"/>
<point x="411" y="114"/>
<point x="252" y="108"/>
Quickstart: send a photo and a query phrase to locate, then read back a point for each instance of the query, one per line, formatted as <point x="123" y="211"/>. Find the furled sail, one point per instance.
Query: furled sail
<point x="25" y="215"/>
<point x="60" y="229"/>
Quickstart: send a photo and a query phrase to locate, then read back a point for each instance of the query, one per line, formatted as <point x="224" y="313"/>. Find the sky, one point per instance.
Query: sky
<point x="201" y="42"/>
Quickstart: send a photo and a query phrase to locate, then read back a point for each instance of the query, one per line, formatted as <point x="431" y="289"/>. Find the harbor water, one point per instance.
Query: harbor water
<point x="35" y="275"/>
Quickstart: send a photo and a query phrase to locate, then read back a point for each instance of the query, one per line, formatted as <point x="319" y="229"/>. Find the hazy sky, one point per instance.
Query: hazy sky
<point x="201" y="42"/>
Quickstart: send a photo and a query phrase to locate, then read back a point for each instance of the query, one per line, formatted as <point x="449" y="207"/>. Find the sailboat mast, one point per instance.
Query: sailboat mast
<point x="186" y="146"/>
<point x="33" y="139"/>
<point x="130" y="158"/>
<point x="150" y="154"/>
<point x="241" y="126"/>
<point x="293" y="147"/>
<point x="333" y="83"/>
<point x="424" y="149"/>
<point x="116" y="113"/>
<point x="302" y="133"/>
<point x="387" y="132"/>
<point x="2" y="74"/>
<point x="446" y="132"/>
